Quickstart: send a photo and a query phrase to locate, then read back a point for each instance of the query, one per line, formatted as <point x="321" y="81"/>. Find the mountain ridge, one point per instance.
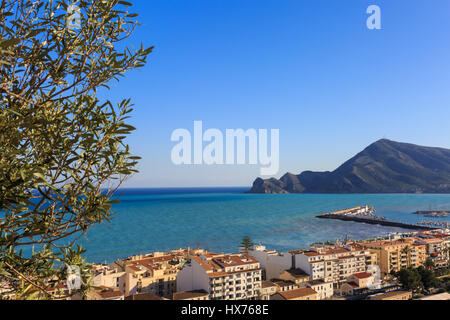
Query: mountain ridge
<point x="385" y="166"/>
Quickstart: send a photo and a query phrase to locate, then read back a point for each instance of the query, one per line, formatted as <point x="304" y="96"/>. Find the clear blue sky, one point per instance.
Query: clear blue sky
<point x="309" y="68"/>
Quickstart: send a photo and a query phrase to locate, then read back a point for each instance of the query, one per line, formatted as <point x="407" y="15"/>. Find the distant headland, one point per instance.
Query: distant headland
<point x="383" y="167"/>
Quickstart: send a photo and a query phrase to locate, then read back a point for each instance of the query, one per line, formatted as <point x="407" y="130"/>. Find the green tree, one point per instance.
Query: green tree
<point x="410" y="279"/>
<point x="62" y="148"/>
<point x="246" y="243"/>
<point x="428" y="278"/>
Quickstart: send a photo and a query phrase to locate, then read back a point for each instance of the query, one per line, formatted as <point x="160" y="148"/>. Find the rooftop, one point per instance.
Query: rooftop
<point x="215" y="266"/>
<point x="439" y="296"/>
<point x="282" y="283"/>
<point x="267" y="284"/>
<point x="110" y="294"/>
<point x="183" y="295"/>
<point x="297" y="293"/>
<point x="362" y="275"/>
<point x="297" y="273"/>
<point x="315" y="282"/>
<point x="144" y="296"/>
<point x="390" y="295"/>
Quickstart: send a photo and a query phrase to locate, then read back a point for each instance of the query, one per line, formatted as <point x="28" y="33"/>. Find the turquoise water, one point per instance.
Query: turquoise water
<point x="216" y="219"/>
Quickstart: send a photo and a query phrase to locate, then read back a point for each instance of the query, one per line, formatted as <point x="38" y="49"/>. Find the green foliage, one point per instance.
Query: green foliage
<point x="417" y="279"/>
<point x="410" y="279"/>
<point x="246" y="243"/>
<point x="62" y="149"/>
<point x="428" y="278"/>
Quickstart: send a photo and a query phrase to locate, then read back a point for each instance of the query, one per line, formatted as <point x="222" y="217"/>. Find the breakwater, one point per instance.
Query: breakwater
<point x="374" y="221"/>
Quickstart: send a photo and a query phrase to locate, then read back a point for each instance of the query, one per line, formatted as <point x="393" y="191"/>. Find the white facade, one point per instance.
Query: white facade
<point x="331" y="264"/>
<point x="109" y="277"/>
<point x="224" y="277"/>
<point x="193" y="277"/>
<point x="273" y="262"/>
<point x="324" y="289"/>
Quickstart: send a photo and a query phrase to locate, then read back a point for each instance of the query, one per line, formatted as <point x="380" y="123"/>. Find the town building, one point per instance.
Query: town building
<point x="191" y="295"/>
<point x="331" y="264"/>
<point x="223" y="276"/>
<point x="109" y="276"/>
<point x="272" y="262"/>
<point x="436" y="250"/>
<point x="144" y="296"/>
<point x="155" y="273"/>
<point x="298" y="276"/>
<point x="357" y="283"/>
<point x="323" y="289"/>
<point x="104" y="293"/>
<point x="393" y="255"/>
<point x="394" y="295"/>
<point x="268" y="288"/>
<point x="284" y="285"/>
<point x="440" y="296"/>
<point x="304" y="293"/>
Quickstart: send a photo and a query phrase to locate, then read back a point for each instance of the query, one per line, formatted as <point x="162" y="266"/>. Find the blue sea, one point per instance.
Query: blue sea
<point x="216" y="219"/>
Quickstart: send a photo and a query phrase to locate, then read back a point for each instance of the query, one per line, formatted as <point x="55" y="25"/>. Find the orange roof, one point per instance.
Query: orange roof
<point x="362" y="275"/>
<point x="297" y="293"/>
<point x="204" y="264"/>
<point x="144" y="296"/>
<point x="296" y="251"/>
<point x="110" y="294"/>
<point x="235" y="260"/>
<point x="267" y="284"/>
<point x="311" y="253"/>
<point x="336" y="250"/>
<point x="432" y="240"/>
<point x="189" y="294"/>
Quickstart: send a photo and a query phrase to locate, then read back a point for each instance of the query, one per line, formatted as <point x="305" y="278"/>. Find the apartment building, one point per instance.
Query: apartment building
<point x="268" y="288"/>
<point x="393" y="255"/>
<point x="371" y="257"/>
<point x="284" y="285"/>
<point x="272" y="262"/>
<point x="331" y="264"/>
<point x="109" y="276"/>
<point x="154" y="273"/>
<point x="357" y="282"/>
<point x="436" y="250"/>
<point x="323" y="289"/>
<point x="223" y="276"/>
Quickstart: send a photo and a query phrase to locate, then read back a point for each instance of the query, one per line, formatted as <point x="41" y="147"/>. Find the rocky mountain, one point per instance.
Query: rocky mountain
<point x="383" y="167"/>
